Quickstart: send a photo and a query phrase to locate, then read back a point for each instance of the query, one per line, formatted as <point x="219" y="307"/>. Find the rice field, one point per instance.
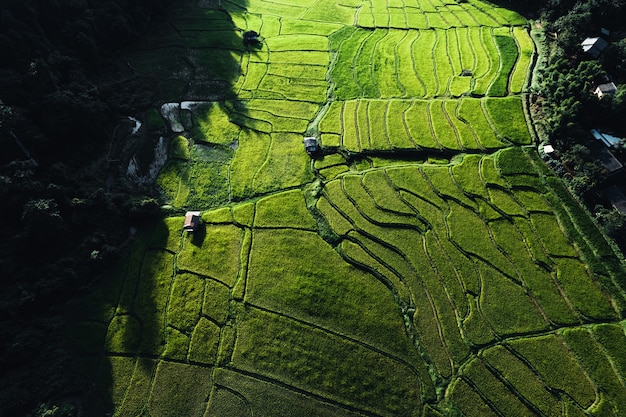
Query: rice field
<point x="424" y="263"/>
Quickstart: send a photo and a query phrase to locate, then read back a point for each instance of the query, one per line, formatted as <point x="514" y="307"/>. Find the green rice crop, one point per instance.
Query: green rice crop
<point x="442" y="64"/>
<point x="204" y="342"/>
<point x="139" y="387"/>
<point x="329" y="161"/>
<point x="286" y="209"/>
<point x="483" y="81"/>
<point x="215" y="302"/>
<point x="584" y="293"/>
<point x="505" y="202"/>
<point x="250" y="155"/>
<point x="613" y="340"/>
<point x="242" y="393"/>
<point x="338" y="223"/>
<point x="475" y="327"/>
<point x="363" y="124"/>
<point x="435" y="21"/>
<point x="407" y="76"/>
<point x="333" y="172"/>
<point x="377" y="111"/>
<point x="364" y="73"/>
<point x="482" y="63"/>
<point x="180" y="388"/>
<point x="411" y="179"/>
<point x="463" y="129"/>
<point x="508" y="118"/>
<point x="538" y="281"/>
<point x="446" y="187"/>
<point x="183" y="309"/>
<point x="173" y="180"/>
<point x="366" y="205"/>
<point x="593" y="359"/>
<point x="468" y="401"/>
<point x="466" y="175"/>
<point x="508" y="56"/>
<point x="554" y="240"/>
<point x="349" y="41"/>
<point x="423" y="61"/>
<point x="526" y="51"/>
<point x="325" y="364"/>
<point x="297" y="42"/>
<point x="417" y="118"/>
<point x="331" y="11"/>
<point x="326" y="296"/>
<point x="556" y="365"/>
<point x="299" y="26"/>
<point x="532" y="201"/>
<point x="150" y="303"/>
<point x="216" y="255"/>
<point x="518" y="315"/>
<point x="450" y="276"/>
<point x="350" y="137"/>
<point x="385" y="65"/>
<point x="471" y="111"/>
<point x="179" y="148"/>
<point x="383" y="193"/>
<point x="444" y="132"/>
<point x="523" y="380"/>
<point x="122" y="334"/>
<point x="395" y="123"/>
<point x="481" y="18"/>
<point x="285" y="165"/>
<point x="495" y="391"/>
<point x="176" y="344"/>
<point x="332" y="120"/>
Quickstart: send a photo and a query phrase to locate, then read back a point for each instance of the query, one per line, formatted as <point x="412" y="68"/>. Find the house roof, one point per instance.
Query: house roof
<point x="616" y="198"/>
<point x="594" y="46"/>
<point x="607" y="88"/>
<point x="607" y="159"/>
<point x="192" y="220"/>
<point x="608" y="140"/>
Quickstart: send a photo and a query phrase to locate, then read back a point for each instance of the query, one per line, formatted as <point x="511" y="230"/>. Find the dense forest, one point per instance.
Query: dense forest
<point x="65" y="212"/>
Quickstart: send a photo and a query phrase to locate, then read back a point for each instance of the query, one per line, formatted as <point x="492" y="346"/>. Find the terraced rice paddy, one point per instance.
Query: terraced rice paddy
<point x="427" y="264"/>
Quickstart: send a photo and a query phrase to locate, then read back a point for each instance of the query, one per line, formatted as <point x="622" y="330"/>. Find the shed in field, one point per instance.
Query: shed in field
<point x="311" y="145"/>
<point x="192" y="221"/>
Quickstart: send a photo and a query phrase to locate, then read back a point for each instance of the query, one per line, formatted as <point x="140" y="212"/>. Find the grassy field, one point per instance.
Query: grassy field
<point x="425" y="263"/>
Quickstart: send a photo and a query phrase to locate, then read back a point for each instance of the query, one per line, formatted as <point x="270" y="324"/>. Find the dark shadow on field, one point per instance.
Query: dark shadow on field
<point x="198" y="235"/>
<point x="194" y="53"/>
